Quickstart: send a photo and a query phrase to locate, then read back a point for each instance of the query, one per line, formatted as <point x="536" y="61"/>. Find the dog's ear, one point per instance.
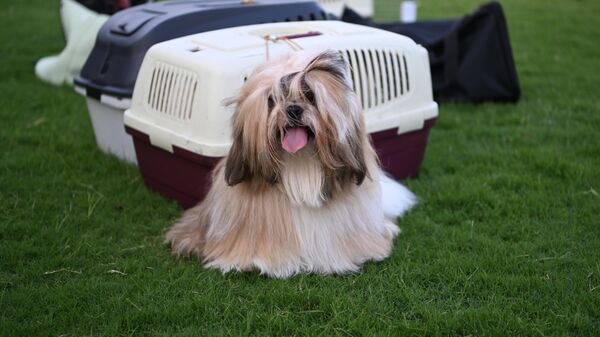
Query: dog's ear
<point x="340" y="131"/>
<point x="236" y="166"/>
<point x="252" y="153"/>
<point x="352" y="157"/>
<point x="351" y="167"/>
<point x="357" y="165"/>
<point x="331" y="62"/>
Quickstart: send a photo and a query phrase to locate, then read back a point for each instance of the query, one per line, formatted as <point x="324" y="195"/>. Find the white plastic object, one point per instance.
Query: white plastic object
<point x="107" y="120"/>
<point x="408" y="11"/>
<point x="362" y="7"/>
<point x="81" y="25"/>
<point x="178" y="96"/>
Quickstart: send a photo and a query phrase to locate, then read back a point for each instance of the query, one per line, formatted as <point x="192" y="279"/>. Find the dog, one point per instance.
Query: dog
<point x="301" y="189"/>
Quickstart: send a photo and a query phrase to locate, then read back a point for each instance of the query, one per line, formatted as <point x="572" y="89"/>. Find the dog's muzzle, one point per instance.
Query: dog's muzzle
<point x="294" y="112"/>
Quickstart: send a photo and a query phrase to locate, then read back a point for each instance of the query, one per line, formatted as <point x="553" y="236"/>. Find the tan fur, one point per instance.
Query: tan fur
<point x="251" y="230"/>
<point x="318" y="210"/>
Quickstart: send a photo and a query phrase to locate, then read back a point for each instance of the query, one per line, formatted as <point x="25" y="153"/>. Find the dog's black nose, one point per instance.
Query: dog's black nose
<point x="295" y="111"/>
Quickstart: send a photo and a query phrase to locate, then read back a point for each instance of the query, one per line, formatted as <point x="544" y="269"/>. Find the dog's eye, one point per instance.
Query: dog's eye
<point x="307" y="91"/>
<point x="271" y="103"/>
<point x="310" y="96"/>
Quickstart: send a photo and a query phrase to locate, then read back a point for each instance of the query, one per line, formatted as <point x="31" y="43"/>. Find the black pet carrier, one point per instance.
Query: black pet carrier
<point x="471" y="57"/>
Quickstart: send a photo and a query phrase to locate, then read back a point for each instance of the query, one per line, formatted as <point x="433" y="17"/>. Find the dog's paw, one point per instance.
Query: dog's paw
<point x="187" y="236"/>
<point x="280" y="271"/>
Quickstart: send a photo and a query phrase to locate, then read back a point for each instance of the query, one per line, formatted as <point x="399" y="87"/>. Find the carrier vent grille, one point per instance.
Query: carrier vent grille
<point x="172" y="91"/>
<point x="378" y="76"/>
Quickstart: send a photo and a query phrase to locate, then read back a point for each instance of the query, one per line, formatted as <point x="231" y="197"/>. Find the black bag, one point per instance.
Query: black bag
<point x="471" y="58"/>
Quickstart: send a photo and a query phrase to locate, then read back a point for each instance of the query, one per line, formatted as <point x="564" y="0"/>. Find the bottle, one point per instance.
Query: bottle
<point x="408" y="11"/>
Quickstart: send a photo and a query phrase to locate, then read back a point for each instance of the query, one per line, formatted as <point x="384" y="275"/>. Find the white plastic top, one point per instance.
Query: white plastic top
<point x="178" y="96"/>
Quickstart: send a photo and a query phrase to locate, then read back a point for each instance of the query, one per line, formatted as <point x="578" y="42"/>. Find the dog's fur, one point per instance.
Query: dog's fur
<point x="326" y="208"/>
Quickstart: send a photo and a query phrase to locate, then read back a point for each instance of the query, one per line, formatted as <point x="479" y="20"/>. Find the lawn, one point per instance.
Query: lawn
<point x="505" y="241"/>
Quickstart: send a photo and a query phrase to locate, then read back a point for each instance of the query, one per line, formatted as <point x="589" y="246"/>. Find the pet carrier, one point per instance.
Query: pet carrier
<point x="108" y="76"/>
<point x="336" y="7"/>
<point x="180" y="126"/>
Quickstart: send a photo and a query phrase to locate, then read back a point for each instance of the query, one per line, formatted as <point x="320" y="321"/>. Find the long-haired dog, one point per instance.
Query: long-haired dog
<point x="301" y="189"/>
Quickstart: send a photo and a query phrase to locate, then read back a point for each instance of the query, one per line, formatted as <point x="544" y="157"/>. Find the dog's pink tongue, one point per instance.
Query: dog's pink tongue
<point x="294" y="139"/>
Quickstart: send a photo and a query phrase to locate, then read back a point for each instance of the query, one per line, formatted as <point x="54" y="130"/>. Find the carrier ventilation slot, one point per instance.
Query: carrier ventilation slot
<point x="378" y="76"/>
<point x="310" y="17"/>
<point x="172" y="91"/>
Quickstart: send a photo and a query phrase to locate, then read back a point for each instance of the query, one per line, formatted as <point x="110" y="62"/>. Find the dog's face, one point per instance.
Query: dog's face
<point x="298" y="103"/>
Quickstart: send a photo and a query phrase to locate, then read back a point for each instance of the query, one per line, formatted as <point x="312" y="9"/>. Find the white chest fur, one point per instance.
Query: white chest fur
<point x="302" y="178"/>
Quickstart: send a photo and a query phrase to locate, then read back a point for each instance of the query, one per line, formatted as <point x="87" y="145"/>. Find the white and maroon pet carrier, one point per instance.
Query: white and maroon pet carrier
<point x="181" y="128"/>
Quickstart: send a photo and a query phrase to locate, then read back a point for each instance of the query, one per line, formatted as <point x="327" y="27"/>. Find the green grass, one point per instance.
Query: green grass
<point x="505" y="242"/>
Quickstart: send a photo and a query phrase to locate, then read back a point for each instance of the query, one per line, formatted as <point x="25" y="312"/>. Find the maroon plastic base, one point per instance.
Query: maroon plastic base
<point x="185" y="176"/>
<point x="401" y="155"/>
<point x="182" y="175"/>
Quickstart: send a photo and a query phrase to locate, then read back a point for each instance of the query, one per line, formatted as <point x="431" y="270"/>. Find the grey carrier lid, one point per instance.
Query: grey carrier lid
<point x="113" y="65"/>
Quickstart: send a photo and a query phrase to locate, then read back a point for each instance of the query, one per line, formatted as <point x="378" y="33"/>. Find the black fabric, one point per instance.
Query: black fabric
<point x="471" y="57"/>
<point x="109" y="6"/>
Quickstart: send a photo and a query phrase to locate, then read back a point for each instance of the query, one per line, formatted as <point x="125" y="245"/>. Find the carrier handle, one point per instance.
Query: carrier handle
<point x="297" y="36"/>
<point x="288" y="39"/>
